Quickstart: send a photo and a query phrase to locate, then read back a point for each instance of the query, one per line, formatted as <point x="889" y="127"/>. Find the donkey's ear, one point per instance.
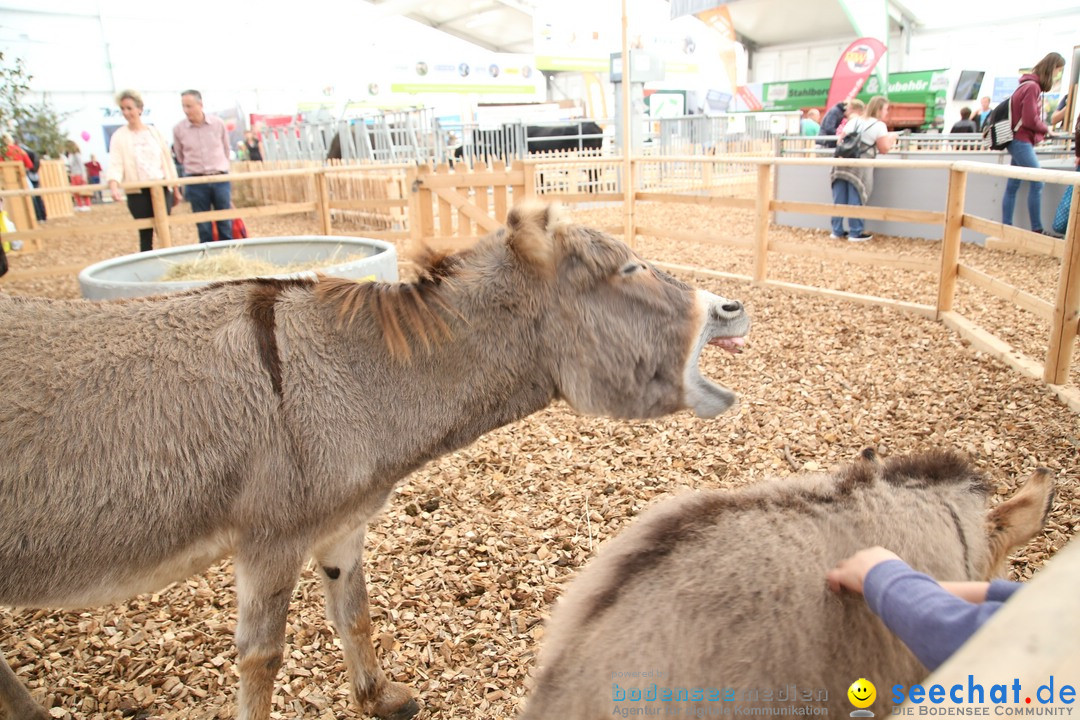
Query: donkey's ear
<point x="1020" y="518"/>
<point x="530" y="233"/>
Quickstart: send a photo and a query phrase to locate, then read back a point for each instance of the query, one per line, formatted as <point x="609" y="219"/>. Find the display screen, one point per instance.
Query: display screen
<point x="967" y="87"/>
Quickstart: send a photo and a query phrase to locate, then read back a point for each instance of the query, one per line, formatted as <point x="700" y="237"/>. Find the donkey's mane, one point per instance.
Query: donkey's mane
<point x="401" y="311"/>
<point x="935" y="467"/>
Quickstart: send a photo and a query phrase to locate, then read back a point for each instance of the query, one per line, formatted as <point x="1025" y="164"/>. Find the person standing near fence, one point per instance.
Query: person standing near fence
<point x="965" y="124"/>
<point x="852" y="184"/>
<point x="1030" y="131"/>
<point x="984" y="112"/>
<point x="833" y="117"/>
<point x="137" y="152"/>
<point x="254" y="146"/>
<point x="93" y="175"/>
<point x="201" y="144"/>
<point x="76" y="175"/>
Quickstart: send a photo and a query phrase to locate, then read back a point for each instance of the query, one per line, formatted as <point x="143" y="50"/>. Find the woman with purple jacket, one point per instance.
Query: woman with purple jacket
<point x="1029" y="130"/>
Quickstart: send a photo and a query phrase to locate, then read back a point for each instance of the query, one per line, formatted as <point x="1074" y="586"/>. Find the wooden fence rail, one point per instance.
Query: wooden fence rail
<point x="452" y="207"/>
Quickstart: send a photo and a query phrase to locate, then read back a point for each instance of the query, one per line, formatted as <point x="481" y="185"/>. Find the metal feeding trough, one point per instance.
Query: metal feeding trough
<point x="141" y="273"/>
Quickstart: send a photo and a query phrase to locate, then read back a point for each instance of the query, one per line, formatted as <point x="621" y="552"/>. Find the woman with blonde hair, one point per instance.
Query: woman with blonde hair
<point x="852" y="184"/>
<point x="138" y="153"/>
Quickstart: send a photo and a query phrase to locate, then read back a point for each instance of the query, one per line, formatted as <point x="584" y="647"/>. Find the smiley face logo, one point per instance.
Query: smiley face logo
<point x="862" y="693"/>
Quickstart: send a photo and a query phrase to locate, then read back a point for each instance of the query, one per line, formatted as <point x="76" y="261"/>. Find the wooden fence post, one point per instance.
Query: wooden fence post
<point x="421" y="215"/>
<point x="503" y="195"/>
<point x="761" y="236"/>
<point x="529" y="186"/>
<point x="1063" y="328"/>
<point x="630" y="173"/>
<point x="412" y="182"/>
<point x="950" y="244"/>
<point x="322" y="195"/>
<point x="161" y="216"/>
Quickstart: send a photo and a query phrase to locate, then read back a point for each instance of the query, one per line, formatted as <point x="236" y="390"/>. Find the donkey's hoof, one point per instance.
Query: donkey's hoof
<point x="404" y="712"/>
<point x="395" y="702"/>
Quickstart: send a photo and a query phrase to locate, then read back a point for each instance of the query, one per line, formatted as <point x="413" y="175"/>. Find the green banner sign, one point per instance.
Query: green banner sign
<point x="927" y="87"/>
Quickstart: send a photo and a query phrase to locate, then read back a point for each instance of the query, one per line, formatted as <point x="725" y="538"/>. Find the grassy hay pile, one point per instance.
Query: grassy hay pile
<point x="232" y="263"/>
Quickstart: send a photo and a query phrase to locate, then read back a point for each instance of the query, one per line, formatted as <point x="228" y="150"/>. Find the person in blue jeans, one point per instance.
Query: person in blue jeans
<point x="1029" y="131"/>
<point x="852" y="184"/>
<point x="201" y="145"/>
<point x="933" y="619"/>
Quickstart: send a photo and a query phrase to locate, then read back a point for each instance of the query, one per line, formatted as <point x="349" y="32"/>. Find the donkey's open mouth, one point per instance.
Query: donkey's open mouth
<point x="733" y="345"/>
<point x="725" y="325"/>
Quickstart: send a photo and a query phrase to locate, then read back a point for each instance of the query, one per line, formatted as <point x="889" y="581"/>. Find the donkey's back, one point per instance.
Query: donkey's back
<point x="725" y="593"/>
<point x="131" y="430"/>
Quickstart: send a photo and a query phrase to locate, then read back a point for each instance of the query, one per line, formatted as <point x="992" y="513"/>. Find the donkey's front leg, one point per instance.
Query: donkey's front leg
<point x="265" y="581"/>
<point x="347" y="606"/>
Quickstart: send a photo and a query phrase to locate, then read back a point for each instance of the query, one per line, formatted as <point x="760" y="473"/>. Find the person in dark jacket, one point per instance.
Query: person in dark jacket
<point x="1027" y="113"/>
<point x="965" y="124"/>
<point x="831" y="121"/>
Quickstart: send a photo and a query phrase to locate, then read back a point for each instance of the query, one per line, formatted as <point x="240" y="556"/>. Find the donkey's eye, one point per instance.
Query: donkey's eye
<point x="632" y="267"/>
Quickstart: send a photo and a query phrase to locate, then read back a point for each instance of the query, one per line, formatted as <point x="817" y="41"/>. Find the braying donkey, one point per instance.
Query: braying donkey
<point x="270" y="419"/>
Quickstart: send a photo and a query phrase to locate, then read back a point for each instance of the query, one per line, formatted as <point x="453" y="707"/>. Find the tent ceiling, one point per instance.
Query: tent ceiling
<point x="498" y="25"/>
<point x="507" y="25"/>
<point x="756" y="21"/>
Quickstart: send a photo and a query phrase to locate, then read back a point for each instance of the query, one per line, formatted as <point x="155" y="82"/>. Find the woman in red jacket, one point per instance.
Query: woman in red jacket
<point x="1027" y="114"/>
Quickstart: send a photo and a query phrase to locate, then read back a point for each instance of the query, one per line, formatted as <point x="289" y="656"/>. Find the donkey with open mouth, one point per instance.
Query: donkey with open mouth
<point x="268" y="420"/>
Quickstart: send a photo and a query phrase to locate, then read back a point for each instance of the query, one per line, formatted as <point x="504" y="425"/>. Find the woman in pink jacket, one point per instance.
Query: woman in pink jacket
<point x="1029" y="131"/>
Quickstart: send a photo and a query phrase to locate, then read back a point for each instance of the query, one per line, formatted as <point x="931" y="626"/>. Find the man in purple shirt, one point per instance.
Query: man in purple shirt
<point x="201" y="144"/>
<point x="933" y="619"/>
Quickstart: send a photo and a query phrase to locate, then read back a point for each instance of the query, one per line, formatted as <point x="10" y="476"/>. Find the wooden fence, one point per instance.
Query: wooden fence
<point x="452" y="207"/>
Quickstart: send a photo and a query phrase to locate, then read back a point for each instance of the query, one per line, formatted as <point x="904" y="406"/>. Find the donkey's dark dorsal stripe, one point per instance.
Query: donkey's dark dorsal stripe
<point x="262" y="298"/>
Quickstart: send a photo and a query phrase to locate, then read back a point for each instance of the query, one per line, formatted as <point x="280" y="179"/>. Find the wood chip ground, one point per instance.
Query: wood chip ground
<point x="471" y="551"/>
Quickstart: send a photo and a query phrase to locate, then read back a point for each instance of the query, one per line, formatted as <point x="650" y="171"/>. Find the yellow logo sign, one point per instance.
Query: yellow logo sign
<point x="862" y="694"/>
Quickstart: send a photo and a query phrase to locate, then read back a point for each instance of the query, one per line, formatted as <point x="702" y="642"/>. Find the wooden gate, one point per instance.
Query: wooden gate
<point x="19" y="209"/>
<point x="53" y="174"/>
<point x="451" y="208"/>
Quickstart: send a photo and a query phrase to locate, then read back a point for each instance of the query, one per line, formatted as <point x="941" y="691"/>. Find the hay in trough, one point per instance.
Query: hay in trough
<point x="232" y="263"/>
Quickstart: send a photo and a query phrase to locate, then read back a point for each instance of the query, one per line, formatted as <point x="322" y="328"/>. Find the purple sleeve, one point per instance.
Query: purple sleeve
<point x="930" y="620"/>
<point x="1001" y="590"/>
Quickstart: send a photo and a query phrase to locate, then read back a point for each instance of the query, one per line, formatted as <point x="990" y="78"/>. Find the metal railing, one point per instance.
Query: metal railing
<point x="389" y="137"/>
<point x="815" y="146"/>
<point x="748" y="134"/>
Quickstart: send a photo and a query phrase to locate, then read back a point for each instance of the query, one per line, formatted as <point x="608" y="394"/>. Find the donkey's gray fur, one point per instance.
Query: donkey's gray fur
<point x="726" y="590"/>
<point x="268" y="420"/>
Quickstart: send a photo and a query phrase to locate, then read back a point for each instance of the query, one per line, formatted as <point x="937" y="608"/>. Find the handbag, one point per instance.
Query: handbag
<point x="850" y="146"/>
<point x="239" y="230"/>
<point x="999" y="129"/>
